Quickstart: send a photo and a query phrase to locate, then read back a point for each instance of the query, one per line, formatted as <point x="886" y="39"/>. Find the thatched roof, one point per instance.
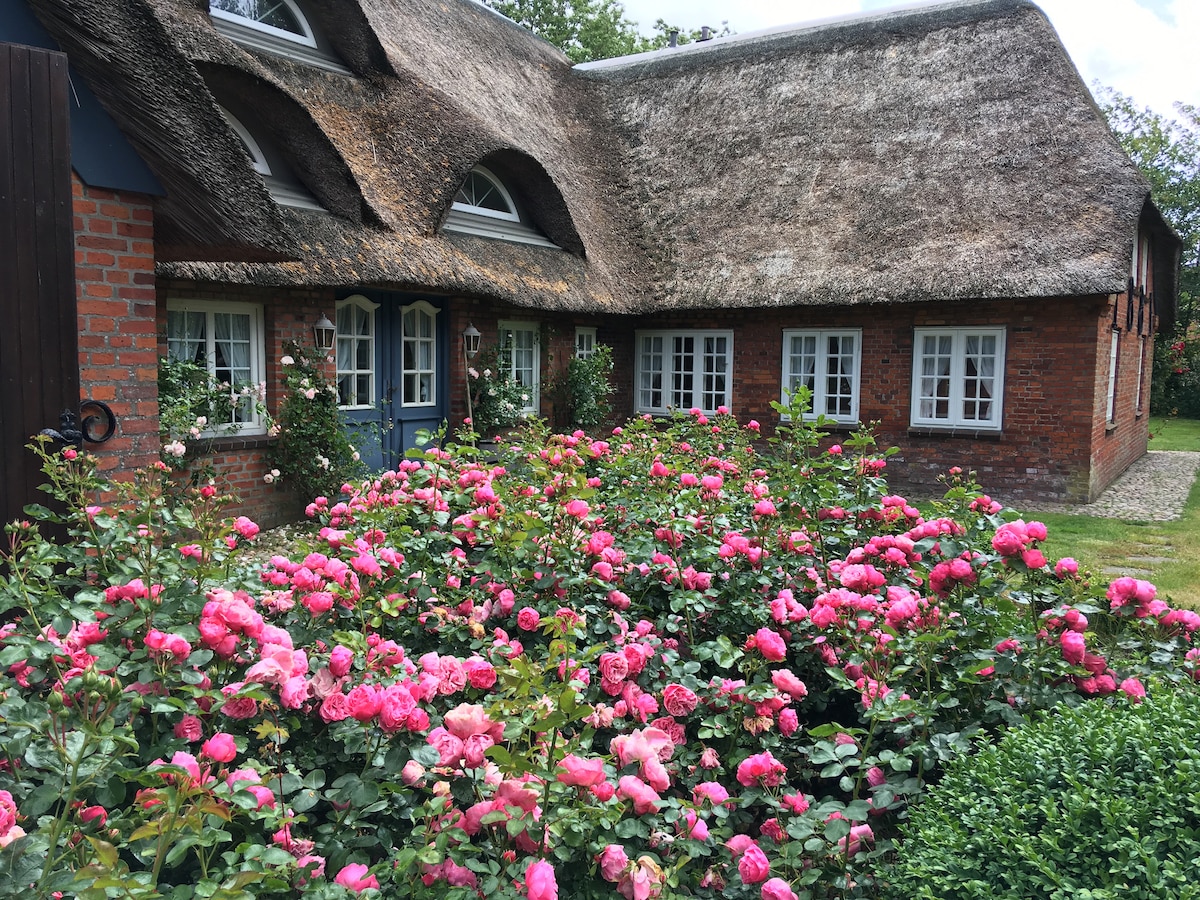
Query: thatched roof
<point x="945" y="153"/>
<point x="940" y="153"/>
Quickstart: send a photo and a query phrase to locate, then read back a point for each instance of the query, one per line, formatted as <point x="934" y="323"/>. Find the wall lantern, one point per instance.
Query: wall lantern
<point x="324" y="334"/>
<point x="471" y="338"/>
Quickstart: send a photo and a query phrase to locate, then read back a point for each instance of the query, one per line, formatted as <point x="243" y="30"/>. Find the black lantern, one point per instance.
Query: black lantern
<point x="324" y="334"/>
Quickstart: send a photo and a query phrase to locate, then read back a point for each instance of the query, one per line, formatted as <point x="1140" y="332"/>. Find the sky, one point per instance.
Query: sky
<point x="1146" y="49"/>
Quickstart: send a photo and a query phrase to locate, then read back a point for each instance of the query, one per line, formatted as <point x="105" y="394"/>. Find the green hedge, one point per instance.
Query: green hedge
<point x="1100" y="801"/>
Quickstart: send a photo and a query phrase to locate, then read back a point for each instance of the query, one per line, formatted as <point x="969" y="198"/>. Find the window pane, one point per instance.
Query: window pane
<point x="269" y="12"/>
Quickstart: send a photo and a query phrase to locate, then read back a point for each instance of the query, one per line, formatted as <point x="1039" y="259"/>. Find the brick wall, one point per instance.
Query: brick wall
<point x="1051" y="363"/>
<point x="1118" y="442"/>
<point x="115" y="296"/>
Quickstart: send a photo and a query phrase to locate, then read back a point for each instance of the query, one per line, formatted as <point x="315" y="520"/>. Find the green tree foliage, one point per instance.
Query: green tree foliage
<point x="587" y="30"/>
<point x="1168" y="153"/>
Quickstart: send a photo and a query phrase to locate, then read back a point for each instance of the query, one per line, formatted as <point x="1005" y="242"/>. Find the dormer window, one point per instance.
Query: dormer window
<point x="485" y="208"/>
<point x="284" y="188"/>
<point x="257" y="158"/>
<point x="278" y="27"/>
<point x="483" y="195"/>
<point x="278" y="18"/>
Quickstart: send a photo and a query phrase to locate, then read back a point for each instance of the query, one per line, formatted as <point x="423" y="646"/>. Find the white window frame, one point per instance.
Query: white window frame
<point x="1139" y="267"/>
<point x="357" y="301"/>
<point x="585" y="342"/>
<point x="308" y="39"/>
<point x="821" y="375"/>
<point x="254" y="423"/>
<point x="257" y="158"/>
<point x="507" y="332"/>
<point x="421" y="308"/>
<point x="644" y="371"/>
<point x="498" y="186"/>
<point x="957" y="378"/>
<point x="1114" y="355"/>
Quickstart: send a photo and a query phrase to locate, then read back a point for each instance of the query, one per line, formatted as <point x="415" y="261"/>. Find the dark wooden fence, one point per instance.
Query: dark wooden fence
<point x="39" y="356"/>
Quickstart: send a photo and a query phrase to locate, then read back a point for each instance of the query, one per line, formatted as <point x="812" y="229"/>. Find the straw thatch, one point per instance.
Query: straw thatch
<point x="944" y="153"/>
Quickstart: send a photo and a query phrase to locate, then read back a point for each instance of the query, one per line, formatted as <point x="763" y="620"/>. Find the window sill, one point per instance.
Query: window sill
<point x="974" y="434"/>
<point x="228" y="443"/>
<point x="1110" y="427"/>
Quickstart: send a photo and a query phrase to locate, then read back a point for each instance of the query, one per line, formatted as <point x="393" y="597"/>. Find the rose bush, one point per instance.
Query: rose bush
<point x="674" y="662"/>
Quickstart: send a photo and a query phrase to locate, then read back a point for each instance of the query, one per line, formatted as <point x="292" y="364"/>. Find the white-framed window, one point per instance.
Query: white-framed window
<point x="958" y="377"/>
<point x="228" y="340"/>
<point x="585" y="343"/>
<point x="418" y="381"/>
<point x="1114" y="354"/>
<point x="482" y="194"/>
<point x="827" y="362"/>
<point x="278" y="18"/>
<point x="683" y="370"/>
<point x="520" y="353"/>
<point x="1139" y="267"/>
<point x="355" y="352"/>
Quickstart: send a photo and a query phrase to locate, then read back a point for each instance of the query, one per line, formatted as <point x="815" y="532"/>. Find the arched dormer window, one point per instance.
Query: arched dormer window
<point x="279" y="27"/>
<point x="278" y="18"/>
<point x="484" y="207"/>
<point x="482" y="194"/>
<point x="284" y="188"/>
<point x="257" y="159"/>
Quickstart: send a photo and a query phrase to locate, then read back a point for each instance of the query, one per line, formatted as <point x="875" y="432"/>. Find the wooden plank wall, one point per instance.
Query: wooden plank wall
<point x="39" y="355"/>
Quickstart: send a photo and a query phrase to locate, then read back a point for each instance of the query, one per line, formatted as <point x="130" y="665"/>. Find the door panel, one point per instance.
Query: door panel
<point x="409" y="378"/>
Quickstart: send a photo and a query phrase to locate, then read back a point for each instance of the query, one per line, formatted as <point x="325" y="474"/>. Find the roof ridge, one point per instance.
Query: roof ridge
<point x="922" y="14"/>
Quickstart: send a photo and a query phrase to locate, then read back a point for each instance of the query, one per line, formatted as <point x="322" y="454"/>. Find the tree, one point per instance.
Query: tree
<point x="1168" y="153"/>
<point x="587" y="30"/>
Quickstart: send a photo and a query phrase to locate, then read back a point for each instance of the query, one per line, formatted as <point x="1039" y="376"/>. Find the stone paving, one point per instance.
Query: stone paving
<point x="1154" y="489"/>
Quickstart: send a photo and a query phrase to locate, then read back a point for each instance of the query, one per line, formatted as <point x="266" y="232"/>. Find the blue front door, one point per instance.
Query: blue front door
<point x="392" y="371"/>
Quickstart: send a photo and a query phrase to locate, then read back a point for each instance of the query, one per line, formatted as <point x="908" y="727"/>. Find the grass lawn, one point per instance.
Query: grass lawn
<point x="1169" y="551"/>
<point x="1174" y="434"/>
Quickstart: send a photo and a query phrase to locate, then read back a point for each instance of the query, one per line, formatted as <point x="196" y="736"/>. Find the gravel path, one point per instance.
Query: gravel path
<point x="1154" y="488"/>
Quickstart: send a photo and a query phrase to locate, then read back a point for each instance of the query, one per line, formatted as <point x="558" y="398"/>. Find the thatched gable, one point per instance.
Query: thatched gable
<point x="944" y="153"/>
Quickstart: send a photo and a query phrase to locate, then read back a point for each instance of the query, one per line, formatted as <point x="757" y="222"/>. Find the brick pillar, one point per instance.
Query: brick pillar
<point x="116" y="305"/>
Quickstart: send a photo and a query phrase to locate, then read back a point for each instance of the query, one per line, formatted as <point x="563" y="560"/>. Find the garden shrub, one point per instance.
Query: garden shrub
<point x="1101" y="801"/>
<point x="676" y="661"/>
<point x="312" y="452"/>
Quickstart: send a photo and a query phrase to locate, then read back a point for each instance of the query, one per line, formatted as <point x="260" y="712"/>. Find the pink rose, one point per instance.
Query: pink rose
<point x="761" y="769"/>
<point x="613" y="862"/>
<point x="777" y="889"/>
<point x="770" y="644"/>
<point x="540" y="883"/>
<point x="645" y="798"/>
<point x="753" y="866"/>
<point x="189" y="728"/>
<point x="1073" y="647"/>
<point x="356" y="877"/>
<point x="363" y="702"/>
<point x="678" y="700"/>
<point x="614" y="667"/>
<point x="581" y="772"/>
<point x="528" y="619"/>
<point x="339" y="661"/>
<point x="219" y="748"/>
<point x="786" y="681"/>
<point x="1034" y="558"/>
<point x="1133" y="689"/>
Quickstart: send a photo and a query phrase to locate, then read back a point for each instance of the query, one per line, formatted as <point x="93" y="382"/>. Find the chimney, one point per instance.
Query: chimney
<point x="705" y="33"/>
<point x="673" y="37"/>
